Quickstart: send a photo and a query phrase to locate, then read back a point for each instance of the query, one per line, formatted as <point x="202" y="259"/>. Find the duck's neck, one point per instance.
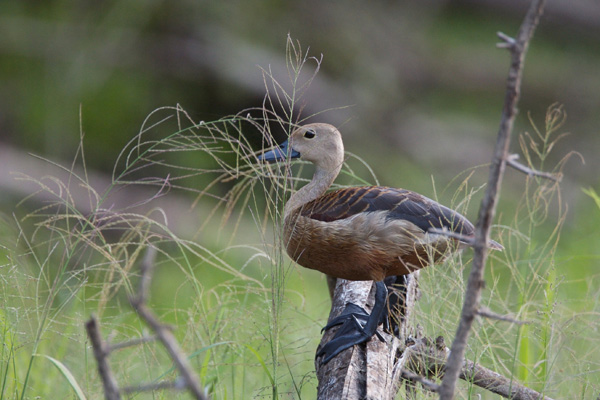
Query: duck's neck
<point x="319" y="184"/>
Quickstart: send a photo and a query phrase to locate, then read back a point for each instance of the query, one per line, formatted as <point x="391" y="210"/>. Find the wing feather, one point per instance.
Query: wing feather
<point x="399" y="203"/>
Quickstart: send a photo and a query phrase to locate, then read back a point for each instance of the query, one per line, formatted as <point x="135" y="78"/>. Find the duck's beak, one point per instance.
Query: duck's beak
<point x="279" y="153"/>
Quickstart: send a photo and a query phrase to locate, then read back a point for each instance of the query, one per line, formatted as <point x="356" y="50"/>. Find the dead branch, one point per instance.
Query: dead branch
<point x="163" y="332"/>
<point x="178" y="384"/>
<point x="496" y="383"/>
<point x="487" y="313"/>
<point x="420" y="364"/>
<point x="188" y="379"/>
<point x="518" y="49"/>
<point x="101" y="352"/>
<point x="343" y="376"/>
<point x="512" y="161"/>
<point x="130" y="343"/>
<point x="426" y="361"/>
<point x="411" y="376"/>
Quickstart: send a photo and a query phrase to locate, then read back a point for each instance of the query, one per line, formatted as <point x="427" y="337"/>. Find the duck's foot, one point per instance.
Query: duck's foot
<point x="357" y="326"/>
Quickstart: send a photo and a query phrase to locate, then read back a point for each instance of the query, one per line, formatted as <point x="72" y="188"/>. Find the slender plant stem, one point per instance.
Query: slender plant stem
<point x="518" y="49"/>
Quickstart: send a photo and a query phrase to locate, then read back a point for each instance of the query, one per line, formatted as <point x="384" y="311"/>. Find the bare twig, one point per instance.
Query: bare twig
<point x="178" y="384"/>
<point x="101" y="351"/>
<point x="146" y="270"/>
<point x="428" y="384"/>
<point x="496" y="383"/>
<point x="424" y="361"/>
<point x="487" y="313"/>
<point x="475" y="283"/>
<point x="172" y="346"/>
<point x="512" y="161"/>
<point x="507" y="42"/>
<point x="133" y="342"/>
<point x="420" y="363"/>
<point x="163" y="333"/>
<point x="188" y="379"/>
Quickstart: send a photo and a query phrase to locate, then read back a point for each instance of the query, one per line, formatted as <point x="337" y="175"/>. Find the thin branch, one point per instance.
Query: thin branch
<point x="133" y="342"/>
<point x="428" y="384"/>
<point x="146" y="270"/>
<point x="507" y="41"/>
<point x="162" y="331"/>
<point x="498" y="384"/>
<point x="178" y="384"/>
<point x="101" y="351"/>
<point x="487" y="313"/>
<point x="512" y="161"/>
<point x="426" y="360"/>
<point x="475" y="283"/>
<point x="188" y="379"/>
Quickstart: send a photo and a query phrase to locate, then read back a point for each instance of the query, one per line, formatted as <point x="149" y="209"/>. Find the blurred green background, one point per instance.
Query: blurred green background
<point x="415" y="87"/>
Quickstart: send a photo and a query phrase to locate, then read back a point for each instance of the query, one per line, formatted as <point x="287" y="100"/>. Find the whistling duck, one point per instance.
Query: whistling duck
<point x="359" y="233"/>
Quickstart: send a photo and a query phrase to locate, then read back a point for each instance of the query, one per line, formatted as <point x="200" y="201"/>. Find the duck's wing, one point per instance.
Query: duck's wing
<point x="397" y="203"/>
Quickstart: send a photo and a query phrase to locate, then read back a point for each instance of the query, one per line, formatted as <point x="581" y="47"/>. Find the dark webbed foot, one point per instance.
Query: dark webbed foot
<point x="357" y="325"/>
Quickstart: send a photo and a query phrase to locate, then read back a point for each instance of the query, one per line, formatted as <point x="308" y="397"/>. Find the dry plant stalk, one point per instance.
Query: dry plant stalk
<point x="425" y="359"/>
<point x="518" y="48"/>
<point x="188" y="380"/>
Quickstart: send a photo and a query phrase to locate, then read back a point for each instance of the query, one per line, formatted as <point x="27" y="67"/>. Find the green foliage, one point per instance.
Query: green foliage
<point x="592" y="193"/>
<point x="67" y="375"/>
<point x="248" y="318"/>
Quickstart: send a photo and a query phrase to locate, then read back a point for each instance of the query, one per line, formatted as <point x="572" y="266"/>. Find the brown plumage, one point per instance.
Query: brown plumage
<point x="368" y="233"/>
<point x="359" y="233"/>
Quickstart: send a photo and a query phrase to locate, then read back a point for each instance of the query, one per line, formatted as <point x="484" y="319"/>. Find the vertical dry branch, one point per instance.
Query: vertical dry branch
<point x="518" y="49"/>
<point x="101" y="351"/>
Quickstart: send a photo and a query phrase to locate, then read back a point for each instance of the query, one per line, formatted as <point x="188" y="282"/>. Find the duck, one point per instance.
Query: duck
<point x="361" y="233"/>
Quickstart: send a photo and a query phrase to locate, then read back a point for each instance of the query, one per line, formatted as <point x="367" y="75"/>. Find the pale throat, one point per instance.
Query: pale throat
<point x="321" y="181"/>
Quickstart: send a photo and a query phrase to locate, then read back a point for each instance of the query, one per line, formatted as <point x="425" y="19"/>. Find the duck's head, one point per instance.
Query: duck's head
<point x="318" y="143"/>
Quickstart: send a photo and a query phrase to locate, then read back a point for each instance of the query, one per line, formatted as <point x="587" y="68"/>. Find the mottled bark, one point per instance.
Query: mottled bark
<point x="372" y="371"/>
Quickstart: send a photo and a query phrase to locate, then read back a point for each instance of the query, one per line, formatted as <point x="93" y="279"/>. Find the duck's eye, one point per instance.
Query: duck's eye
<point x="309" y="134"/>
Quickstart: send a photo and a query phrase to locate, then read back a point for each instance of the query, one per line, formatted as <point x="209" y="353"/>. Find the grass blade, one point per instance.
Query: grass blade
<point x="67" y="374"/>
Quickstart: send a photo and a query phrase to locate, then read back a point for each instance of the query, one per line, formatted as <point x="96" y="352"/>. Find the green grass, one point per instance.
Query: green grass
<point x="248" y="318"/>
